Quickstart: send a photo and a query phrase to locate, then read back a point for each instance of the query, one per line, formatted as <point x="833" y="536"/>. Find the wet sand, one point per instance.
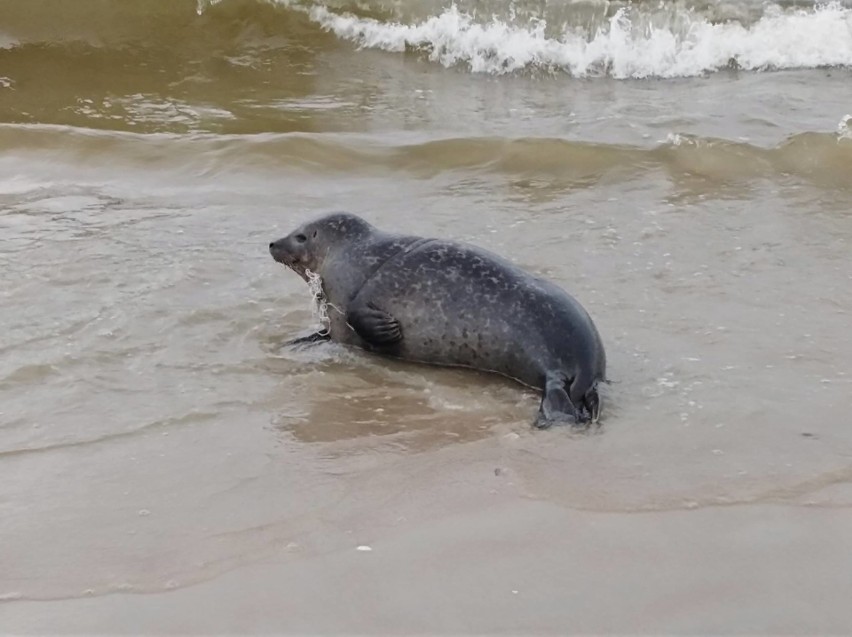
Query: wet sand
<point x="510" y="565"/>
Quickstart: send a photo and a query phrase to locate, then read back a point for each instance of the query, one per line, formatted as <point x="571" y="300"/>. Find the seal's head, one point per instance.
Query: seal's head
<point x="306" y="248"/>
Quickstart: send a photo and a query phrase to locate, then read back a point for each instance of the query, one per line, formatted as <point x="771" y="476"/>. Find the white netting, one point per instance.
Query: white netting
<point x="319" y="304"/>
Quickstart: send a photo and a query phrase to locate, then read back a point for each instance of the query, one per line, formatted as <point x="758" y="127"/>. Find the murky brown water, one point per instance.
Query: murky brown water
<point x="154" y="434"/>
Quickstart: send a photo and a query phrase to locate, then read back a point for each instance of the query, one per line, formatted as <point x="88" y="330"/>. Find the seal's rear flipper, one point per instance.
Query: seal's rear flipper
<point x="592" y="402"/>
<point x="378" y="328"/>
<point x="556" y="406"/>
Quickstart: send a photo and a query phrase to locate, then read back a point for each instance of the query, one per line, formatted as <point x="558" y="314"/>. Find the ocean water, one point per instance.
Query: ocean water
<point x="683" y="168"/>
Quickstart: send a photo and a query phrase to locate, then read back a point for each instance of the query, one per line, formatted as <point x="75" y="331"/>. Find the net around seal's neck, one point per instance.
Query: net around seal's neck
<point x="319" y="302"/>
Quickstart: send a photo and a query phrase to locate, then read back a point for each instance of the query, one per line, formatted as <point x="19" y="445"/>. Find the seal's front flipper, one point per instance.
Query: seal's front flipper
<point x="375" y="326"/>
<point x="556" y="406"/>
<point x="310" y="339"/>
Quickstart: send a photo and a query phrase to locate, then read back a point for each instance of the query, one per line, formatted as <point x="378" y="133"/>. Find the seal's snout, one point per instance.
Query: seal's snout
<point x="278" y="250"/>
<point x="290" y="253"/>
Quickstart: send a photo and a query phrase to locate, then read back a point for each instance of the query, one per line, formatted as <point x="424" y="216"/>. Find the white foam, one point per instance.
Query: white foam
<point x="844" y="128"/>
<point x="8" y="42"/>
<point x="676" y="139"/>
<point x="10" y="597"/>
<point x="632" y="45"/>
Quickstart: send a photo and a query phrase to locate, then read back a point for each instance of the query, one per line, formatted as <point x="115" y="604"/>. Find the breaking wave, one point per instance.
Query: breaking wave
<point x="633" y="43"/>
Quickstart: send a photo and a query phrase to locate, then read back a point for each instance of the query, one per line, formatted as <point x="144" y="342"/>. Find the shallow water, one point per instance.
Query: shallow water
<point x="153" y="431"/>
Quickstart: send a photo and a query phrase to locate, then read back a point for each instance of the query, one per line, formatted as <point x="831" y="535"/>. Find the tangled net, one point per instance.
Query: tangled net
<point x="319" y="304"/>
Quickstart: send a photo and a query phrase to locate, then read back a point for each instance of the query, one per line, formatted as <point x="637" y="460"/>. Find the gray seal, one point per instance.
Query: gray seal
<point x="450" y="303"/>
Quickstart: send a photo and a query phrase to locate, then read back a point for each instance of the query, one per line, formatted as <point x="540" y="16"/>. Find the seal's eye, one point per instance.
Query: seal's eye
<point x="314" y="235"/>
<point x="300" y="238"/>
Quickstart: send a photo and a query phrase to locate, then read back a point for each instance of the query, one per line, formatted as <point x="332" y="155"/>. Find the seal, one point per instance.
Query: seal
<point x="450" y="303"/>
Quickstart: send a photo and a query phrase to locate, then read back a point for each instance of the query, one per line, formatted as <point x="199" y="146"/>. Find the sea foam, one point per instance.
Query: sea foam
<point x="629" y="45"/>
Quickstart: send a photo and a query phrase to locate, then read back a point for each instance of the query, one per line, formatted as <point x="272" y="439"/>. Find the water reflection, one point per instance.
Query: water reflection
<point x="414" y="407"/>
